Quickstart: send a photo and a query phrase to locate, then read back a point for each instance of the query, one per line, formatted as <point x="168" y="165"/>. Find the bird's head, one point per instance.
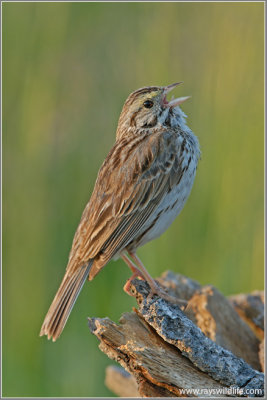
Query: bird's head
<point x="148" y="107"/>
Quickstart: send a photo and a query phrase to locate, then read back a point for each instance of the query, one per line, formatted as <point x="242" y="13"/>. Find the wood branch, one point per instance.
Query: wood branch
<point x="250" y="307"/>
<point x="152" y="361"/>
<point x="215" y="315"/>
<point x="261" y="355"/>
<point x="170" y="355"/>
<point x="121" y="382"/>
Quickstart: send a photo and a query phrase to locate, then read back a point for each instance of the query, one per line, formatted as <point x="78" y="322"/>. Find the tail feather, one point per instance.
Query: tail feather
<point x="63" y="298"/>
<point x="63" y="309"/>
<point x="63" y="302"/>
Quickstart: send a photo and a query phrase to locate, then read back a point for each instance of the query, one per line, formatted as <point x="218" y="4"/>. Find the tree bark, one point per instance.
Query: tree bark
<point x="207" y="350"/>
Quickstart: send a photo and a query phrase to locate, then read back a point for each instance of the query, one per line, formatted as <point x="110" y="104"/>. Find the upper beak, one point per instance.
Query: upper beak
<point x="168" y="88"/>
<point x="174" y="102"/>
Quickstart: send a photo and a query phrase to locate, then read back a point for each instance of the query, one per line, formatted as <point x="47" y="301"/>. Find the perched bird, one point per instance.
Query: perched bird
<point x="141" y="187"/>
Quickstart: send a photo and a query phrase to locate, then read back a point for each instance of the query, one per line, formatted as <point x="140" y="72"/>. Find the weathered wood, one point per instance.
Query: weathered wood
<point x="250" y="307"/>
<point x="170" y="355"/>
<point x="261" y="355"/>
<point x="121" y="382"/>
<point x="153" y="362"/>
<point x="216" y="317"/>
<point x="178" y="285"/>
<point x="172" y="325"/>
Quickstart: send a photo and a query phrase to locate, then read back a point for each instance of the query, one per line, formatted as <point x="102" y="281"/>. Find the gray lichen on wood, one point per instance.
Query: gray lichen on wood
<point x="165" y="350"/>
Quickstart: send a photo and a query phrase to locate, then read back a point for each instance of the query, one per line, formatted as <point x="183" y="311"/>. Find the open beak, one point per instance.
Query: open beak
<point x="173" y="102"/>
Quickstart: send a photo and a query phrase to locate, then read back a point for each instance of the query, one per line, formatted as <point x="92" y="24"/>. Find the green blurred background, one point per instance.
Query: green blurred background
<point x="67" y="69"/>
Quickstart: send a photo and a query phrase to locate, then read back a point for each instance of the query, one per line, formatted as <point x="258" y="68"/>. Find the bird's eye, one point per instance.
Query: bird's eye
<point x="148" y="103"/>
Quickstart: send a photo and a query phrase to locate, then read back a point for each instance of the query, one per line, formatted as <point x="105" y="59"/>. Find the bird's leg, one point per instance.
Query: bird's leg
<point x="146" y="275"/>
<point x="155" y="289"/>
<point x="136" y="273"/>
<point x="132" y="266"/>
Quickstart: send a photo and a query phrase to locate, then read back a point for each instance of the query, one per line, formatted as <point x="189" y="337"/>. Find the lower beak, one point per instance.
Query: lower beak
<point x="177" y="102"/>
<point x="174" y="102"/>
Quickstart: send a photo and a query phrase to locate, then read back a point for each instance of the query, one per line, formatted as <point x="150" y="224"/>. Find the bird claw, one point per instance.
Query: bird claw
<point x="171" y="299"/>
<point x="127" y="287"/>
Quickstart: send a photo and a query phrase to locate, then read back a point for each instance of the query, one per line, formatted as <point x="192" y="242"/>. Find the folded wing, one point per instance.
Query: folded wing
<point x="135" y="176"/>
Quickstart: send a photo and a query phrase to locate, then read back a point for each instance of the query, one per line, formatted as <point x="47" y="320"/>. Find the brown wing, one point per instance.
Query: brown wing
<point x="136" y="174"/>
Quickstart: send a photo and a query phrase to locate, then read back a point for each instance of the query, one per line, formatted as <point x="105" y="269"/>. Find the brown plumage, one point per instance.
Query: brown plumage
<point x="141" y="187"/>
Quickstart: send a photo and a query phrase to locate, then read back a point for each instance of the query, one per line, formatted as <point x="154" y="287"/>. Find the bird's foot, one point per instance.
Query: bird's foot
<point x="142" y="273"/>
<point x="127" y="286"/>
<point x="155" y="290"/>
<point x="161" y="293"/>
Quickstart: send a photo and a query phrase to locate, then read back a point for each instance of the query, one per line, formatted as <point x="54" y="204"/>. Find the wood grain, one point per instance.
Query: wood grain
<point x="205" y="351"/>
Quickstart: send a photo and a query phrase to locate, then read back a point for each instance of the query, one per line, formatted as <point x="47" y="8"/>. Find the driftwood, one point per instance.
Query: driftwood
<point x="211" y="349"/>
<point x="250" y="307"/>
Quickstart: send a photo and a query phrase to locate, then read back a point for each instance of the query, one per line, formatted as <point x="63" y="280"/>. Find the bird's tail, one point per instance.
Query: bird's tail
<point x="63" y="302"/>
